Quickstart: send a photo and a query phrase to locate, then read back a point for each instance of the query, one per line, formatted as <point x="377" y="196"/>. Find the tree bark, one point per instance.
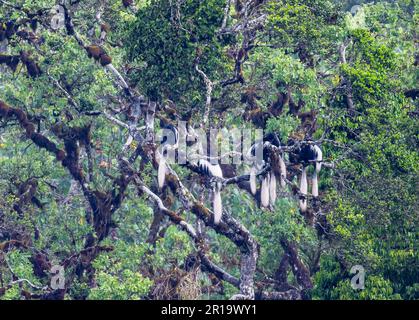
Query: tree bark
<point x="300" y="271"/>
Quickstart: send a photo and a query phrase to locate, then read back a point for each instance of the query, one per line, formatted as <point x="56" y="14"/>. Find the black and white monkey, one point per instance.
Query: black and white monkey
<point x="262" y="154"/>
<point x="210" y="169"/>
<point x="213" y="171"/>
<point x="171" y="140"/>
<point x="317" y="168"/>
<point x="309" y="154"/>
<point x="169" y="143"/>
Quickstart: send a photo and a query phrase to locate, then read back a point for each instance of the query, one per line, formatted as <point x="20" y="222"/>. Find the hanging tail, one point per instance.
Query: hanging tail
<point x="214" y="171"/>
<point x="217" y="205"/>
<point x="315" y="187"/>
<point x="162" y="171"/>
<point x="272" y="188"/>
<point x="303" y="190"/>
<point x="253" y="180"/>
<point x="319" y="158"/>
<point x="283" y="171"/>
<point x="315" y="181"/>
<point x="264" y="191"/>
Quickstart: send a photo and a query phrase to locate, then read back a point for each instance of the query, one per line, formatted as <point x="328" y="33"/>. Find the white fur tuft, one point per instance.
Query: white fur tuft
<point x="272" y="189"/>
<point x="253" y="180"/>
<point x="283" y="171"/>
<point x="264" y="192"/>
<point x="303" y="189"/>
<point x="319" y="158"/>
<point x="213" y="169"/>
<point x="315" y="180"/>
<point x="217" y="207"/>
<point x="162" y="172"/>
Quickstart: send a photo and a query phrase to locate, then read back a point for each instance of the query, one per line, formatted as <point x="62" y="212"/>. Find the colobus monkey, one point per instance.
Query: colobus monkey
<point x="259" y="161"/>
<point x="214" y="170"/>
<point x="277" y="159"/>
<point x="170" y="142"/>
<point x="265" y="190"/>
<point x="269" y="182"/>
<point x="318" y="166"/>
<point x="307" y="154"/>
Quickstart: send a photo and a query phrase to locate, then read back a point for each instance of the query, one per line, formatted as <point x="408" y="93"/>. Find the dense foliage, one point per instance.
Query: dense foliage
<point x="317" y="70"/>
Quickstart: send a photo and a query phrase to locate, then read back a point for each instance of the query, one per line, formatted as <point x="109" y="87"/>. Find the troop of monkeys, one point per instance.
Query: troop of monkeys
<point x="270" y="167"/>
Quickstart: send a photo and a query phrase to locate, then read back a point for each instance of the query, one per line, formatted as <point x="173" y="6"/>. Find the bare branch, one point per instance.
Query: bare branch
<point x="209" y="85"/>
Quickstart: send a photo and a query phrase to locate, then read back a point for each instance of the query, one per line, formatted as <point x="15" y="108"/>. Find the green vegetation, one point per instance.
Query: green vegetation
<point x="305" y="70"/>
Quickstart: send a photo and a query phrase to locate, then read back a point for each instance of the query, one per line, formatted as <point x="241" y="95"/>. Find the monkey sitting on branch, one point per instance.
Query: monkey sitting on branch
<point x="275" y="161"/>
<point x="213" y="171"/>
<point x="308" y="154"/>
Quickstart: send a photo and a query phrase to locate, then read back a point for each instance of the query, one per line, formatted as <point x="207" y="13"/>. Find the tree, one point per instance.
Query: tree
<point x="82" y="98"/>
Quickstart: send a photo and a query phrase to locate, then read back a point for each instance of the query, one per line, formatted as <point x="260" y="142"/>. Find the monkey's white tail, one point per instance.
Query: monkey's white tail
<point x="264" y="192"/>
<point x="283" y="171"/>
<point x="315" y="181"/>
<point x="303" y="190"/>
<point x="319" y="158"/>
<point x="253" y="180"/>
<point x="217" y="206"/>
<point x="161" y="174"/>
<point x="315" y="190"/>
<point x="272" y="188"/>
